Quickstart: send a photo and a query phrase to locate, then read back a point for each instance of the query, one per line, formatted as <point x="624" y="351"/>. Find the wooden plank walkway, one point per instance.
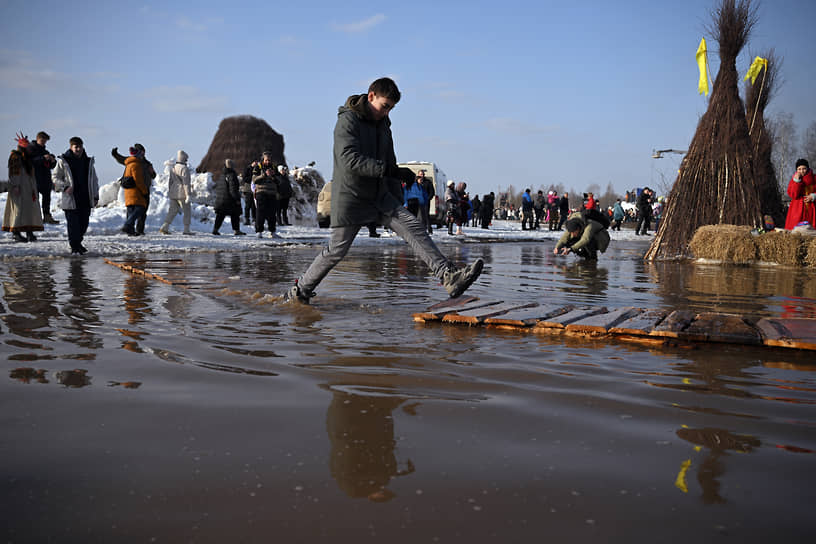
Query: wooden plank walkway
<point x="649" y="326"/>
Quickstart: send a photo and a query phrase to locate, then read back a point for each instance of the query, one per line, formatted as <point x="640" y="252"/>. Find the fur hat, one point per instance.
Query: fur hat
<point x="450" y="183"/>
<point x="802" y="162"/>
<point x="181" y="156"/>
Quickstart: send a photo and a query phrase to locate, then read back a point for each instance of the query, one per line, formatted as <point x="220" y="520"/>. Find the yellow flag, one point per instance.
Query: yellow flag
<point x="702" y="62"/>
<point x="756" y="66"/>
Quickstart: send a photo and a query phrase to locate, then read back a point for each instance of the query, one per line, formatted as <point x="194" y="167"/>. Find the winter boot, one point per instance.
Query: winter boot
<point x="48" y="218"/>
<point x="18" y="237"/>
<point x="216" y="233"/>
<point x="239" y="233"/>
<point x="165" y="229"/>
<point x="31" y="237"/>
<point x="456" y="281"/>
<point x="296" y="294"/>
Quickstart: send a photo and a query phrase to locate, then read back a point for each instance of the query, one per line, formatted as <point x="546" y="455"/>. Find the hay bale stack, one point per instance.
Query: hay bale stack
<point x="728" y="243"/>
<point x="810" y="255"/>
<point x="782" y="247"/>
<point x="757" y="96"/>
<point x="242" y="138"/>
<point x="716" y="182"/>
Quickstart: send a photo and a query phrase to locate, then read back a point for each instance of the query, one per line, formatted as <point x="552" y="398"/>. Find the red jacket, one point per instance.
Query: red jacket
<point x="799" y="210"/>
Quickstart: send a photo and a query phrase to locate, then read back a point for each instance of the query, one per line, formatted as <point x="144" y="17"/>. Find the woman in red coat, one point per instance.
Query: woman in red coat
<point x="802" y="190"/>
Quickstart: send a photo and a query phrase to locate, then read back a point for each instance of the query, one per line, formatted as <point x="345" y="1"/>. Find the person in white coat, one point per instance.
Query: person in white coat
<point x="180" y="193"/>
<point x="75" y="177"/>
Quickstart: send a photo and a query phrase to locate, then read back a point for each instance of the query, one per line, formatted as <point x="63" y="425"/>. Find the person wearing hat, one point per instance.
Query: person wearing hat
<point x="527" y="210"/>
<point x="451" y="205"/>
<point x="644" y="208"/>
<point x="22" y="213"/>
<point x="802" y="191"/>
<point x="284" y="194"/>
<point x="265" y="179"/>
<point x="180" y="192"/>
<point x="583" y="236"/>
<point x="149" y="176"/>
<point x="75" y="177"/>
<point x="43" y="162"/>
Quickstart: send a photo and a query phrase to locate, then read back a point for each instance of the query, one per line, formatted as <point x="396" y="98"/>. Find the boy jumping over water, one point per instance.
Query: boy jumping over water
<point x="366" y="189"/>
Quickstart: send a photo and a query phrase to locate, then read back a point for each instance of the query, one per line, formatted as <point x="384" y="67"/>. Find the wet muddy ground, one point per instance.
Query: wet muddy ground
<point x="137" y="411"/>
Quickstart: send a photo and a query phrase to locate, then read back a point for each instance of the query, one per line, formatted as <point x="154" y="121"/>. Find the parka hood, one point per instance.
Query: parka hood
<point x="358" y="103"/>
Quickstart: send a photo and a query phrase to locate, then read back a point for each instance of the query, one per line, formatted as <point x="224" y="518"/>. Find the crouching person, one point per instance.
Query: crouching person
<point x="585" y="237"/>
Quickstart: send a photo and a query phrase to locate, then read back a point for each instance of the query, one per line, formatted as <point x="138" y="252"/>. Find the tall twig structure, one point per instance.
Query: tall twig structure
<point x="716" y="181"/>
<point x="757" y="96"/>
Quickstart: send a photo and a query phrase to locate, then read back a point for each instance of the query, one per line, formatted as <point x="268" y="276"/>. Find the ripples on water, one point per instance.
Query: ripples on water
<point x="135" y="409"/>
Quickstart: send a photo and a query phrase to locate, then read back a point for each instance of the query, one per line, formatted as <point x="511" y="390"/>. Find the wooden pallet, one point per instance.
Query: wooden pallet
<point x="649" y="326"/>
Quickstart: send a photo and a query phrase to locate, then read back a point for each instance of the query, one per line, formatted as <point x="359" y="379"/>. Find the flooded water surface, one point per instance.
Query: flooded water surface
<point x="139" y="411"/>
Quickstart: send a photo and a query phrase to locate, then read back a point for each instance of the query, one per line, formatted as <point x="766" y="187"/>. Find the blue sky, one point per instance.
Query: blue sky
<point x="510" y="93"/>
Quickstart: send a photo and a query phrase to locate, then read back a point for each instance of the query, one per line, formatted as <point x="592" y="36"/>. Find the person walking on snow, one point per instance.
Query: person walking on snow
<point x="180" y="193"/>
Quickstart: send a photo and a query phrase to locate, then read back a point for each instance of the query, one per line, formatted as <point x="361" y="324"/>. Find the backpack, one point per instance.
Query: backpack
<point x="597" y="216"/>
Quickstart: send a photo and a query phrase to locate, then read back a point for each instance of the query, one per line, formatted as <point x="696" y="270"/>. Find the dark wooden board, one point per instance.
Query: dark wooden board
<point x="640" y="324"/>
<point x="601" y="323"/>
<point x="478" y="315"/>
<point x="717" y="327"/>
<point x="438" y="314"/>
<point x="528" y="317"/>
<point x="673" y="324"/>
<point x="788" y="333"/>
<point x="561" y="321"/>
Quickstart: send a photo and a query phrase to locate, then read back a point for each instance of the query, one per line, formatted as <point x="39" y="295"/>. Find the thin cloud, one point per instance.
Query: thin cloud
<point x="183" y="98"/>
<point x="515" y="126"/>
<point x="360" y="26"/>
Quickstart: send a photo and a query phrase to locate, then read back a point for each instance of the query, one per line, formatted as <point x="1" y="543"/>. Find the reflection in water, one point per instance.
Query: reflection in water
<point x="738" y="289"/>
<point x="73" y="378"/>
<point x="28" y="375"/>
<point x="718" y="442"/>
<point x="362" y="459"/>
<point x="29" y="293"/>
<point x="586" y="277"/>
<point x="81" y="307"/>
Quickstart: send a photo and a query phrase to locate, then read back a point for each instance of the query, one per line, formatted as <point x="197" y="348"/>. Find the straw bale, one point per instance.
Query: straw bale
<point x="810" y="256"/>
<point x="728" y="243"/>
<point x="242" y="138"/>
<point x="781" y="247"/>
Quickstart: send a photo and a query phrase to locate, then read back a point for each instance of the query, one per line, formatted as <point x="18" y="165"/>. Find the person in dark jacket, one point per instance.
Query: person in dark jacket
<point x="265" y="178"/>
<point x="477" y="210"/>
<point x="228" y="200"/>
<point x="75" y="177"/>
<point x="563" y="210"/>
<point x="427" y="186"/>
<point x="366" y="187"/>
<point x="43" y="162"/>
<point x="585" y="237"/>
<point x="284" y="194"/>
<point x="527" y="216"/>
<point x="644" y="207"/>
<point x="246" y="192"/>
<point x="487" y="209"/>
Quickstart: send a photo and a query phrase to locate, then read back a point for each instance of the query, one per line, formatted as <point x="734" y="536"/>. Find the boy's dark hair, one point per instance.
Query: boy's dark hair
<point x="43" y="134"/>
<point x="386" y="88"/>
<point x="75" y="140"/>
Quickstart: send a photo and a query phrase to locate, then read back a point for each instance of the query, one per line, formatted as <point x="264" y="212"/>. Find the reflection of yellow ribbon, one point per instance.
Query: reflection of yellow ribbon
<point x="680" y="482"/>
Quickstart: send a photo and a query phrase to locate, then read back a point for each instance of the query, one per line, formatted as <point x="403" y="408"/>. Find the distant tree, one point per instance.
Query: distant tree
<point x="608" y="197"/>
<point x="809" y="143"/>
<point x="783" y="135"/>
